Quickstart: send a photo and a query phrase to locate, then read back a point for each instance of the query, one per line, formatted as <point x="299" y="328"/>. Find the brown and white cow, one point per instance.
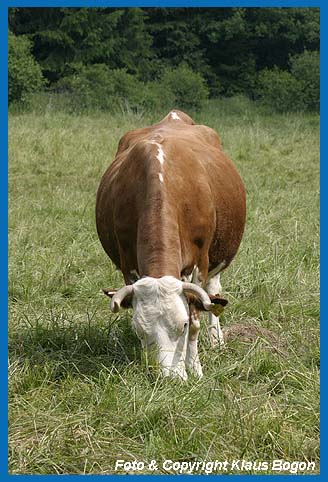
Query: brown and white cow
<point x="170" y="214"/>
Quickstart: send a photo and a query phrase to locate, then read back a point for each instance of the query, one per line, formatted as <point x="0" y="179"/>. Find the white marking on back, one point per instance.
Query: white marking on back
<point x="160" y="157"/>
<point x="175" y="116"/>
<point x="160" y="154"/>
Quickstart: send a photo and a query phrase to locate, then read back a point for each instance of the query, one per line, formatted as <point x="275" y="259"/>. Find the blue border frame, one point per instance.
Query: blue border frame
<point x="4" y="4"/>
<point x="4" y="237"/>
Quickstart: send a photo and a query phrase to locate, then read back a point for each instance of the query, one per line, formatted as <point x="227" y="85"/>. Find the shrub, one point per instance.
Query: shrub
<point x="298" y="89"/>
<point x="188" y="88"/>
<point x="96" y="86"/>
<point x="155" y="97"/>
<point x="306" y="70"/>
<point x="277" y="89"/>
<point x="24" y="73"/>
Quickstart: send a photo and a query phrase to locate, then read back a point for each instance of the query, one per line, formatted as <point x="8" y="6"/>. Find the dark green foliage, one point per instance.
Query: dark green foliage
<point x="306" y="70"/>
<point x="277" y="89"/>
<point x="96" y="86"/>
<point x="63" y="37"/>
<point x="24" y="73"/>
<point x="298" y="89"/>
<point x="226" y="46"/>
<point x="176" y="37"/>
<point x="156" y="97"/>
<point x="188" y="87"/>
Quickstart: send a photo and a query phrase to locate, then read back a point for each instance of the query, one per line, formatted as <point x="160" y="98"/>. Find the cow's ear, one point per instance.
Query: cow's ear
<point x="217" y="304"/>
<point x="126" y="302"/>
<point x="218" y="300"/>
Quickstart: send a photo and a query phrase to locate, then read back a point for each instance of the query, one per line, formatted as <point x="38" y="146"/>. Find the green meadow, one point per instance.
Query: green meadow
<point x="81" y="394"/>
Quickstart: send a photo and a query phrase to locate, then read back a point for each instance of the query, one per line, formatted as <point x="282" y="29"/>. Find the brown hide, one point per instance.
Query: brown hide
<point x="195" y="217"/>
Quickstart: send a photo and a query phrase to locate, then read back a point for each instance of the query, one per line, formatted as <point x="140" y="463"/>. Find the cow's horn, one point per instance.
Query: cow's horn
<point x="117" y="299"/>
<point x="199" y="292"/>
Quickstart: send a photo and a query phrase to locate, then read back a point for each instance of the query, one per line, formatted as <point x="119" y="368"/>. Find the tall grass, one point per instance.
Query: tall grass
<point x="81" y="394"/>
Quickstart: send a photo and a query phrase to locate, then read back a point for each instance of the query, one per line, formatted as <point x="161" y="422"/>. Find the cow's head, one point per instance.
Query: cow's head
<point x="161" y="316"/>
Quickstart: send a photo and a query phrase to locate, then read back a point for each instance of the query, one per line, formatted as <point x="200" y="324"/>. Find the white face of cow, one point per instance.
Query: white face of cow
<point x="161" y="320"/>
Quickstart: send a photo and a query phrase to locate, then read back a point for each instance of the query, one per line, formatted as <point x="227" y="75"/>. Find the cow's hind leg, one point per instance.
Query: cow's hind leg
<point x="213" y="287"/>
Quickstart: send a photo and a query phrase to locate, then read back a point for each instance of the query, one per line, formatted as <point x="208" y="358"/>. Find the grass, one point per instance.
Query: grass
<point x="80" y="393"/>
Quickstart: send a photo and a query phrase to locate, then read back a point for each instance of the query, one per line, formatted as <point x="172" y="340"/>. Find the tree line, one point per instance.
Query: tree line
<point x="224" y="51"/>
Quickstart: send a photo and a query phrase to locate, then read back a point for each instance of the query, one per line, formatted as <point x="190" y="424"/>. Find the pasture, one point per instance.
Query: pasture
<point x="81" y="395"/>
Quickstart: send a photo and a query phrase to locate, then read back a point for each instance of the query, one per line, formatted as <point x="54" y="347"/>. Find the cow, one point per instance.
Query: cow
<point x="170" y="214"/>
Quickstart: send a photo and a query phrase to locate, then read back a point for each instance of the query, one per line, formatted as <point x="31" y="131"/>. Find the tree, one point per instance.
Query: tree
<point x="63" y="37"/>
<point x="227" y="46"/>
<point x="24" y="73"/>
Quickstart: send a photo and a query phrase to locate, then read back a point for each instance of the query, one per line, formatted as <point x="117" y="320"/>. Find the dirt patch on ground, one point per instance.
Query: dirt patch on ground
<point x="251" y="333"/>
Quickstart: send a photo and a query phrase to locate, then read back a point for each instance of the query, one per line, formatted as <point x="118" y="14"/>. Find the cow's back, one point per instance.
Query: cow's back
<point x="179" y="167"/>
